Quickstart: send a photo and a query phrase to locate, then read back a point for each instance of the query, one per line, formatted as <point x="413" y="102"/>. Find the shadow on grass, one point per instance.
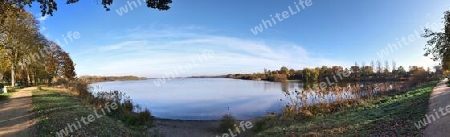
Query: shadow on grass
<point x="55" y="110"/>
<point x="4" y="97"/>
<point x="390" y="115"/>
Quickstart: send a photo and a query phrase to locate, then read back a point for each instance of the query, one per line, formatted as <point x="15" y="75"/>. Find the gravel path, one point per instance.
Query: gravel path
<point x="16" y="115"/>
<point x="440" y="98"/>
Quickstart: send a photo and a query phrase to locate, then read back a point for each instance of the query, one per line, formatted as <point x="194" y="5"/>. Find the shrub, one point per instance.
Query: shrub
<point x="11" y="89"/>
<point x="278" y="78"/>
<point x="265" y="123"/>
<point x="62" y="82"/>
<point x="227" y="122"/>
<point x="127" y="112"/>
<point x="145" y="117"/>
<point x="419" y="75"/>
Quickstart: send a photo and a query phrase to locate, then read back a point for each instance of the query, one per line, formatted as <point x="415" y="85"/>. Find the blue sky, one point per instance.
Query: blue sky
<point x="150" y="43"/>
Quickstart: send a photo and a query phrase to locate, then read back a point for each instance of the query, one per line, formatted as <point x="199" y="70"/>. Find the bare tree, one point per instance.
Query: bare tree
<point x="386" y="65"/>
<point x="379" y="68"/>
<point x="394" y="66"/>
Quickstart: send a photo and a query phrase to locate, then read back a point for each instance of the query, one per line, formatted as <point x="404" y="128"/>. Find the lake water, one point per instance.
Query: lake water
<point x="211" y="98"/>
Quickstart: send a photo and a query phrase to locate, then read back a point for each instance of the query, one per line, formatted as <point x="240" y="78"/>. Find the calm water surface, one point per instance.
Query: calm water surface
<point x="203" y="99"/>
<point x="210" y="98"/>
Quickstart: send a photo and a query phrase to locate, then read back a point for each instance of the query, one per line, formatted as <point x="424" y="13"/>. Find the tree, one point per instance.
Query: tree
<point x="299" y="74"/>
<point x="401" y="71"/>
<point x="394" y="66"/>
<point x="52" y="62"/>
<point x="386" y="65"/>
<point x="67" y="66"/>
<point x="355" y="71"/>
<point x="372" y="64"/>
<point x="284" y="70"/>
<point x="438" y="71"/>
<point x="49" y="6"/>
<point x="19" y="28"/>
<point x="438" y="44"/>
<point x="379" y="68"/>
<point x="418" y="75"/>
<point x="291" y="73"/>
<point x="368" y="70"/>
<point x="27" y="56"/>
<point x="323" y="72"/>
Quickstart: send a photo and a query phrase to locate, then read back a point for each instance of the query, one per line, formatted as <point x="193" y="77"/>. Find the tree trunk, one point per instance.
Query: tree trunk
<point x="28" y="77"/>
<point x="13" y="71"/>
<point x="49" y="81"/>
<point x="13" y="76"/>
<point x="33" y="79"/>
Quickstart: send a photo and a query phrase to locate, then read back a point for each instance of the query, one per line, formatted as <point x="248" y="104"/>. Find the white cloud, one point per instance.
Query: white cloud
<point x="123" y="45"/>
<point x="149" y="54"/>
<point x="42" y="18"/>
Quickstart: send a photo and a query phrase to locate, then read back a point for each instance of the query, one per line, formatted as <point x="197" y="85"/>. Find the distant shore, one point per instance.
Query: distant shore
<point x="97" y="79"/>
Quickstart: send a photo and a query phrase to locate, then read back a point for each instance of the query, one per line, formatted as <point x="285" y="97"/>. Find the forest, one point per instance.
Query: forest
<point x="28" y="56"/>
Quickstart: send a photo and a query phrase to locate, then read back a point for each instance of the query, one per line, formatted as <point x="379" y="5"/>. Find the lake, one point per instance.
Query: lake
<point x="211" y="98"/>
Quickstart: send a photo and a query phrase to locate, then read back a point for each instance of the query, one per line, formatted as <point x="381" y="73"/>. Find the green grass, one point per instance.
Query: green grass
<point x="391" y="115"/>
<point x="4" y="96"/>
<point x="56" y="109"/>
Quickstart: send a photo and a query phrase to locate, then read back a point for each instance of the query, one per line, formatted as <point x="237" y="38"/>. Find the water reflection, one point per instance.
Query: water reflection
<point x="312" y="93"/>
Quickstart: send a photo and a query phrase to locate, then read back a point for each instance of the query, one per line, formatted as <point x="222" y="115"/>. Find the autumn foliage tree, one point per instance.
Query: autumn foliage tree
<point x="438" y="44"/>
<point x="29" y="56"/>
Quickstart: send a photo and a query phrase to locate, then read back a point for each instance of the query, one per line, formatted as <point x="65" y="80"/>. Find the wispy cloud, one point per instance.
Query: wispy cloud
<point x="124" y="45"/>
<point x="152" y="53"/>
<point x="42" y="18"/>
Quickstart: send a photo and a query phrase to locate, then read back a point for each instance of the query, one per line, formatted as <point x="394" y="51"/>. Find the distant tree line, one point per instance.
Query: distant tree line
<point x="376" y="71"/>
<point x="94" y="79"/>
<point x="27" y="56"/>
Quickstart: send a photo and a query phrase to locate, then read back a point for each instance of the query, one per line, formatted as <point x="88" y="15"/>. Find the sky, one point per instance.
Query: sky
<point x="200" y="37"/>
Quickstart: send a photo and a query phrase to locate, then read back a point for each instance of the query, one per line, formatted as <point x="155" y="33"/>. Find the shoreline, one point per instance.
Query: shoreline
<point x="116" y="81"/>
<point x="169" y="127"/>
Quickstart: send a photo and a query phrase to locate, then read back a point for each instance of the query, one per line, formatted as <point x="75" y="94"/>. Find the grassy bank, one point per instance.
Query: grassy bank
<point x="56" y="109"/>
<point x="389" y="115"/>
<point x="4" y="96"/>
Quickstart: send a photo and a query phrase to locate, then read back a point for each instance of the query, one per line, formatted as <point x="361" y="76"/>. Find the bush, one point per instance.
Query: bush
<point x="11" y="89"/>
<point x="265" y="123"/>
<point x="278" y="78"/>
<point x="145" y="118"/>
<point x="127" y="112"/>
<point x="419" y="75"/>
<point x="227" y="122"/>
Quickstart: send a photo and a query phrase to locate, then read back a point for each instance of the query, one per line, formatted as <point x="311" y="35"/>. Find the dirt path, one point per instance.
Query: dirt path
<point x="16" y="116"/>
<point x="440" y="98"/>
